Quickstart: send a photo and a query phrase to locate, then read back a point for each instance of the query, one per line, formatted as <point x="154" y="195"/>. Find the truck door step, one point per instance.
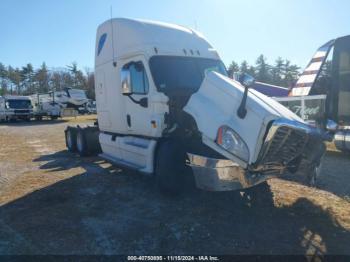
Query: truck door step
<point x="123" y="163"/>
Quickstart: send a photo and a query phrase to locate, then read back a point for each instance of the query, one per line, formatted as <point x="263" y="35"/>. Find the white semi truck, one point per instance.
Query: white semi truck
<point x="15" y="108"/>
<point x="164" y="102"/>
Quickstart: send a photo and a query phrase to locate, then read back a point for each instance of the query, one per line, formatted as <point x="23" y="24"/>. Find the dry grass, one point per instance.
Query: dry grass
<point x="288" y="193"/>
<point x="80" y="119"/>
<point x="33" y="158"/>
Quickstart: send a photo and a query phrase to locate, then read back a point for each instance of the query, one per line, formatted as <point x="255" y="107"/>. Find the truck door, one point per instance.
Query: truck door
<point x="138" y="114"/>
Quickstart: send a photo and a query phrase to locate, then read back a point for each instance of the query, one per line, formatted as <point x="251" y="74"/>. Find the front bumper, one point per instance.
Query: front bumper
<point x="221" y="174"/>
<point x="286" y="144"/>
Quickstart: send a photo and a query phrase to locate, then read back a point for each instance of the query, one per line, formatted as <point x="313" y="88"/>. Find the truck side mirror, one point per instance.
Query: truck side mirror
<point x="126" y="81"/>
<point x="247" y="81"/>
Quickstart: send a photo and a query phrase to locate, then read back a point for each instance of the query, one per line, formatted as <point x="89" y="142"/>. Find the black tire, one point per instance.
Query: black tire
<point x="258" y="195"/>
<point x="170" y="167"/>
<point x="71" y="139"/>
<point x="53" y="117"/>
<point x="82" y="147"/>
<point x="307" y="173"/>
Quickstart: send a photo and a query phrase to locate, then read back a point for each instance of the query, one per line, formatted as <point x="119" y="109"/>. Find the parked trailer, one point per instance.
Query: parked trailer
<point x="66" y="103"/>
<point x="45" y="106"/>
<point x="15" y="108"/>
<point x="71" y="98"/>
<point x="164" y="99"/>
<point x="328" y="74"/>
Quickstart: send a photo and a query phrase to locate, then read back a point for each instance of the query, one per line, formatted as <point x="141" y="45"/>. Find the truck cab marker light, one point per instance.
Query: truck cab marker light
<point x="219" y="138"/>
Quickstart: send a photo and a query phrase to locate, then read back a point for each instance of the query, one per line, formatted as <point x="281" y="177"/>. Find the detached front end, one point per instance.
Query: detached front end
<point x="269" y="142"/>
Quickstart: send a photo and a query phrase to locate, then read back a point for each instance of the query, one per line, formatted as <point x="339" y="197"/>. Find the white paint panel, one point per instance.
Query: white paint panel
<point x="300" y="91"/>
<point x="307" y="79"/>
<point x="313" y="66"/>
<point x="218" y="100"/>
<point x="319" y="54"/>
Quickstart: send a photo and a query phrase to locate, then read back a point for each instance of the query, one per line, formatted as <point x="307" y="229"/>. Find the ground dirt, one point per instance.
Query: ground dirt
<point x="54" y="202"/>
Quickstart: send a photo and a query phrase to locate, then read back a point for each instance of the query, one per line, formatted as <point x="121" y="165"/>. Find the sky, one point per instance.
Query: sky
<point x="63" y="31"/>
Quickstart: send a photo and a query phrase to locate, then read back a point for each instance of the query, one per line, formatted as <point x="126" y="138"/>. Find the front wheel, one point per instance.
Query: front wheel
<point x="314" y="174"/>
<point x="170" y="167"/>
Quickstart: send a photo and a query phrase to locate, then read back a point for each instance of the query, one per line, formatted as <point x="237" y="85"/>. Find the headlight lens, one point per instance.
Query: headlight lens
<point x="233" y="143"/>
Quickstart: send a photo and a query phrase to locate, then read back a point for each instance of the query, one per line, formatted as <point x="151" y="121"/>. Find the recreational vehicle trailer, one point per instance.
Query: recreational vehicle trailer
<point x="68" y="102"/>
<point x="164" y="101"/>
<point x="71" y="98"/>
<point x="326" y="84"/>
<point x="45" y="106"/>
<point x="15" y="108"/>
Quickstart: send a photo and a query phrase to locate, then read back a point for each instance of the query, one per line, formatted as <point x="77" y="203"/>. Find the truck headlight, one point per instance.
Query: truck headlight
<point x="233" y="143"/>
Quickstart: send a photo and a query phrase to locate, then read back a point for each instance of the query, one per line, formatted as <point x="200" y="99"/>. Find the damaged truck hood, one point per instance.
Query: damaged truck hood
<point x="215" y="104"/>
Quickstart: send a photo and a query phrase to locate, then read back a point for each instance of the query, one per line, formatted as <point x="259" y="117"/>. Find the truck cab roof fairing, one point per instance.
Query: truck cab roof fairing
<point x="120" y="37"/>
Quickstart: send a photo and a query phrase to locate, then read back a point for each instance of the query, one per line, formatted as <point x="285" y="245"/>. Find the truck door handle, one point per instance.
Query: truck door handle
<point x="128" y="120"/>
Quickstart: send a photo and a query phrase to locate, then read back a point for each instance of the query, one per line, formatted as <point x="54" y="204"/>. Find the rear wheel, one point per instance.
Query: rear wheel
<point x="170" y="168"/>
<point x="82" y="146"/>
<point x="71" y="139"/>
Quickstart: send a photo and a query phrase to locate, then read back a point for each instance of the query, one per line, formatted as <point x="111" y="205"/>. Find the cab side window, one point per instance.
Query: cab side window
<point x="138" y="77"/>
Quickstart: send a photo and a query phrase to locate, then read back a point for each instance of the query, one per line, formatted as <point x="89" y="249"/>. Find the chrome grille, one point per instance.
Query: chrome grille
<point x="284" y="145"/>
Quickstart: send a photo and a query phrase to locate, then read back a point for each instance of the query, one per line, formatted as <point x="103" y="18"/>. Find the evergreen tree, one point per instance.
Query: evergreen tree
<point x="277" y="72"/>
<point x="27" y="79"/>
<point x="262" y="70"/>
<point x="14" y="77"/>
<point x="244" y="67"/>
<point x="78" y="78"/>
<point x="3" y="79"/>
<point x="291" y="74"/>
<point x="42" y="79"/>
<point x="233" y="68"/>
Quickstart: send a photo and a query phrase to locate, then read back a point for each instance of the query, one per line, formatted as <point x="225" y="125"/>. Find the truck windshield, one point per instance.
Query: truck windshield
<point x="173" y="72"/>
<point x="18" y="104"/>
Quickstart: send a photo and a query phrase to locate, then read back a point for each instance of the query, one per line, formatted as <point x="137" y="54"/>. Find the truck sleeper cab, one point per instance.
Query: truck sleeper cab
<point x="164" y="100"/>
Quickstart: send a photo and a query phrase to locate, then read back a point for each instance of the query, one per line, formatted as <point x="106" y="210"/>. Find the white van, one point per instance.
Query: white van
<point x="164" y="101"/>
